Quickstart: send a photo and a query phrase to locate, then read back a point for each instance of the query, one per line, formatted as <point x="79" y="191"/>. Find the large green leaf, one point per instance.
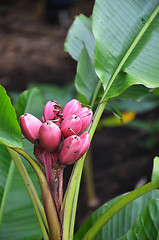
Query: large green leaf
<point x="19" y="220"/>
<point x="127" y="40"/>
<point x="80" y="35"/>
<point x="6" y="173"/>
<point x="10" y="133"/>
<point x="121" y="222"/>
<point x="80" y="43"/>
<point x="147" y="224"/>
<point x="86" y="79"/>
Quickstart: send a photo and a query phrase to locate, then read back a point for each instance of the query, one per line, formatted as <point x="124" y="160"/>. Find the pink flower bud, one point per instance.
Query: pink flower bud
<point x="85" y="115"/>
<point x="71" y="125"/>
<point x="71" y="107"/>
<point x="49" y="136"/>
<point x="30" y="126"/>
<point x="51" y="109"/>
<point x="85" y="144"/>
<point x="70" y="150"/>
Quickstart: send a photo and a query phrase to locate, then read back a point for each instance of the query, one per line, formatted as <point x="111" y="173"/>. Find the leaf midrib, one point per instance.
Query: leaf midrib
<point x="131" y="48"/>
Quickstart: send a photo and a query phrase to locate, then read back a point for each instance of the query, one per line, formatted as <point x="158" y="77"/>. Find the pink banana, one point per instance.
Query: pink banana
<point x="71" y="125"/>
<point x="30" y="126"/>
<point x="70" y="150"/>
<point x="49" y="136"/>
<point x="71" y="107"/>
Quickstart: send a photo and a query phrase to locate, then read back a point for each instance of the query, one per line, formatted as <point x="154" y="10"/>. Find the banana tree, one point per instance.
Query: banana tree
<point x="116" y="48"/>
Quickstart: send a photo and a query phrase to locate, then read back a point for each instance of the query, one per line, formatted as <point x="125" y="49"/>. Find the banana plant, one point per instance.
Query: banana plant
<point x="116" y="48"/>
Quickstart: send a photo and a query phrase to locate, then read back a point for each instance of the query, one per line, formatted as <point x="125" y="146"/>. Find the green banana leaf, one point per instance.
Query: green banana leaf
<point x="127" y="40"/>
<point x="147" y="224"/>
<point x="121" y="222"/>
<point x="17" y="216"/>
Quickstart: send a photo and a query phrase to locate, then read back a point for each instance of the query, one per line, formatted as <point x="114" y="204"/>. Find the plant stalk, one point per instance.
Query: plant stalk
<point x="72" y="191"/>
<point x="48" y="201"/>
<point x="92" y="199"/>
<point x="32" y="193"/>
<point x="57" y="190"/>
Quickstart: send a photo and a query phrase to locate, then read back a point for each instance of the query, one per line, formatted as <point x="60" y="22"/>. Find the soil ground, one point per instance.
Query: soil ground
<point x="31" y="49"/>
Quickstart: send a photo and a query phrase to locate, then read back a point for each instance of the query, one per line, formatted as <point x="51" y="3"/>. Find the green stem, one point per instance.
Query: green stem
<point x="105" y="217"/>
<point x="72" y="191"/>
<point x="6" y="190"/>
<point x="32" y="193"/>
<point x="69" y="201"/>
<point x="74" y="206"/>
<point x="48" y="201"/>
<point x="92" y="199"/>
<point x="96" y="93"/>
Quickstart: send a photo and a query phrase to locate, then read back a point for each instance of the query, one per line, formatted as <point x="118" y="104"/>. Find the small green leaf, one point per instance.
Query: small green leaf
<point x="155" y="172"/>
<point x="156" y="91"/>
<point x="10" y="133"/>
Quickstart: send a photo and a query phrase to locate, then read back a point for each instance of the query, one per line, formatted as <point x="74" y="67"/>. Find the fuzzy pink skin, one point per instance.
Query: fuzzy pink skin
<point x="71" y="125"/>
<point x="71" y="108"/>
<point x="85" y="144"/>
<point x="70" y="150"/>
<point x="49" y="136"/>
<point x="85" y="115"/>
<point x="30" y="126"/>
<point x="51" y="109"/>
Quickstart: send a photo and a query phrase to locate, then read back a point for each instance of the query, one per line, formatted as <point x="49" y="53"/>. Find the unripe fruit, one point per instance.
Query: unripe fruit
<point x="30" y="126"/>
<point x="71" y="107"/>
<point x="49" y="136"/>
<point x="85" y="144"/>
<point x="85" y="115"/>
<point x="51" y="109"/>
<point x="70" y="150"/>
<point x="71" y="125"/>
